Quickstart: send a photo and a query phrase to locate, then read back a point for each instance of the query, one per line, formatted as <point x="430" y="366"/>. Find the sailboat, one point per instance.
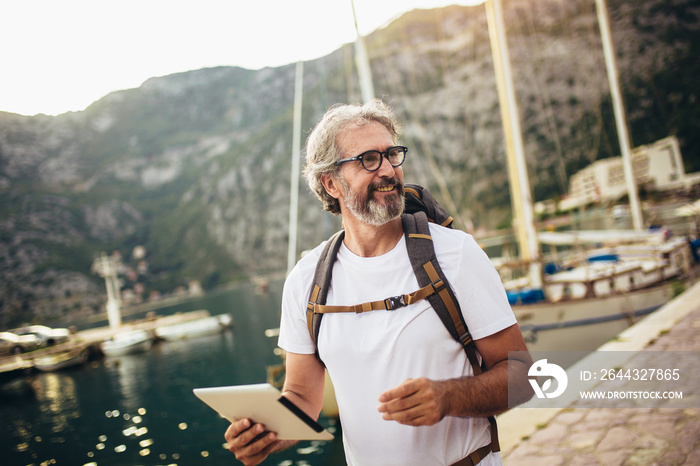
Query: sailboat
<point x="565" y="306"/>
<point x="607" y="286"/>
<point x="572" y="303"/>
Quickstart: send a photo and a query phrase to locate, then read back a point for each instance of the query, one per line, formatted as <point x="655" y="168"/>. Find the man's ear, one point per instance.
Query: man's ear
<point x="331" y="184"/>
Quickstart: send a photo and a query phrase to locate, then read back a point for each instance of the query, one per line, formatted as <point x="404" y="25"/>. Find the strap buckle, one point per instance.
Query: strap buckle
<point x="438" y="285"/>
<point x="394" y="302"/>
<point x="466" y="339"/>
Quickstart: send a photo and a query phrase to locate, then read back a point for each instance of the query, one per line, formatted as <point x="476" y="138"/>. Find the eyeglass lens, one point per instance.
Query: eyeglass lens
<point x="373" y="159"/>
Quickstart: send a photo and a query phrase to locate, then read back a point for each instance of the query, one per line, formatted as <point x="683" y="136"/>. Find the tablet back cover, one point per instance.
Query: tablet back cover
<point x="260" y="403"/>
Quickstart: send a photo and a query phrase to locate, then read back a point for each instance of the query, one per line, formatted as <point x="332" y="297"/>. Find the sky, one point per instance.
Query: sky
<point x="61" y="55"/>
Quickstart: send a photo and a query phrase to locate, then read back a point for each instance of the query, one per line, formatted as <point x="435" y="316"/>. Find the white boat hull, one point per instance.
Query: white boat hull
<point x="583" y="325"/>
<point x="127" y="343"/>
<point x="59" y="361"/>
<point x="197" y="328"/>
<point x="12" y="367"/>
<point x="589" y="304"/>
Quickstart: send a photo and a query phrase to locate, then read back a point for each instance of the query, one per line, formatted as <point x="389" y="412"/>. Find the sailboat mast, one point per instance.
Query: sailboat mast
<point x="620" y="114"/>
<point x="114" y="315"/>
<point x="521" y="194"/>
<point x="296" y="153"/>
<point x="362" y="62"/>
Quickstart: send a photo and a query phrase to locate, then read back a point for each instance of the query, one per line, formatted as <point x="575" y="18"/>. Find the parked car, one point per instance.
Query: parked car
<point x="11" y="343"/>
<point x="46" y="335"/>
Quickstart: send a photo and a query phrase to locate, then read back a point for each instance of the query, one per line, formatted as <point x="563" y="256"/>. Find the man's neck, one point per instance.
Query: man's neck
<point x="367" y="240"/>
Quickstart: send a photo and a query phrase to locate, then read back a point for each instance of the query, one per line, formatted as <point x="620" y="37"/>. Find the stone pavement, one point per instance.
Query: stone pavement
<point x="616" y="436"/>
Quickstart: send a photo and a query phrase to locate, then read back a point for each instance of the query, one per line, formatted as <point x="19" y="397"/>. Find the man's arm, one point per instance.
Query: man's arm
<point x="304" y="380"/>
<point x="425" y="402"/>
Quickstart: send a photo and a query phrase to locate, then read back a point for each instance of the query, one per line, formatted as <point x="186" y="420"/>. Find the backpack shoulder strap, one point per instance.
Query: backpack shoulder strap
<point x="421" y="253"/>
<point x="321" y="283"/>
<point x="419" y="199"/>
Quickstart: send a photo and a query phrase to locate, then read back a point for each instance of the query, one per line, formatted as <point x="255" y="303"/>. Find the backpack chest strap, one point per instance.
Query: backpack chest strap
<point x="388" y="304"/>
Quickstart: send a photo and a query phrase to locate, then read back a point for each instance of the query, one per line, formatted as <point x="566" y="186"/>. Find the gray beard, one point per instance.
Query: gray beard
<point x="368" y="210"/>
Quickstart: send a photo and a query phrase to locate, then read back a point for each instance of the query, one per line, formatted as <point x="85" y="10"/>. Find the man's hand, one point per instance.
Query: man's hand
<point x="250" y="444"/>
<point x="303" y="386"/>
<point x="425" y="402"/>
<point x="416" y="402"/>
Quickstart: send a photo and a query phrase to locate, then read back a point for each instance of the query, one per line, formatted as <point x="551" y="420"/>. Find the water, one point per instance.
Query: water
<point x="140" y="410"/>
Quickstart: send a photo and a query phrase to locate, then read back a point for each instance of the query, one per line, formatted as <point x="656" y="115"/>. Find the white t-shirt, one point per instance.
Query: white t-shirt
<point x="369" y="353"/>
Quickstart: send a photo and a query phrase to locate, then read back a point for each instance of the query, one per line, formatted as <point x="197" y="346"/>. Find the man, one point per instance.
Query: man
<point x="405" y="389"/>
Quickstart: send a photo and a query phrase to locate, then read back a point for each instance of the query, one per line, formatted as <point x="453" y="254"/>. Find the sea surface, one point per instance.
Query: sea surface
<point x="140" y="410"/>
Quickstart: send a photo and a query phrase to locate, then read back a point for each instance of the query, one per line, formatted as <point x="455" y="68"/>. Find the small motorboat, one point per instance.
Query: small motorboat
<point x="195" y="328"/>
<point x="128" y="342"/>
<point x="61" y="360"/>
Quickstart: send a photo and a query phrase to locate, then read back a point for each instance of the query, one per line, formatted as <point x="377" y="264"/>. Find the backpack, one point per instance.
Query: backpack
<point x="420" y="209"/>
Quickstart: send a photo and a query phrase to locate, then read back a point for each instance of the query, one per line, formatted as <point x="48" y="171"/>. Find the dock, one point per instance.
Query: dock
<point x="615" y="436"/>
<point x="90" y="339"/>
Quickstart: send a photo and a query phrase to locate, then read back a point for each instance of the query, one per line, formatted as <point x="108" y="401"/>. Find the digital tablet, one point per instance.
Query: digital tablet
<point x="264" y="404"/>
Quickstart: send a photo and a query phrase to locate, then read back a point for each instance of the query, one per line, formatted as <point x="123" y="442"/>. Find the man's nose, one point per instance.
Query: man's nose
<point x="386" y="169"/>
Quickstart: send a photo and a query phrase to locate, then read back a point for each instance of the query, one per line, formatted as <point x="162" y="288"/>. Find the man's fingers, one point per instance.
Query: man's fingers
<point x="410" y="393"/>
<point x="417" y="416"/>
<point x="251" y="444"/>
<point x="405" y="389"/>
<point x="239" y="436"/>
<point x="418" y="406"/>
<point x="235" y="429"/>
<point x="257" y="449"/>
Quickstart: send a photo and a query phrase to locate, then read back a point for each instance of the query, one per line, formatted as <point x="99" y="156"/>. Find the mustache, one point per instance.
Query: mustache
<point x="385" y="183"/>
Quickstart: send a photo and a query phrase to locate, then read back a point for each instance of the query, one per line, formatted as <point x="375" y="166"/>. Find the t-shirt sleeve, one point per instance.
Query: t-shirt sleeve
<point x="294" y="334"/>
<point x="476" y="283"/>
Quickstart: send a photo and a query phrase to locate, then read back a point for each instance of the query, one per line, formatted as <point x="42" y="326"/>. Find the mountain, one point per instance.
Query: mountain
<point x="195" y="166"/>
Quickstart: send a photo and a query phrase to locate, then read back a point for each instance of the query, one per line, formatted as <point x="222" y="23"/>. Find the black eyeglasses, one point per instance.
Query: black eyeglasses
<point x="372" y="159"/>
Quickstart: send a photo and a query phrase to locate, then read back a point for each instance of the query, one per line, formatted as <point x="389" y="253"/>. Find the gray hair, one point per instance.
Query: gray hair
<point x="322" y="150"/>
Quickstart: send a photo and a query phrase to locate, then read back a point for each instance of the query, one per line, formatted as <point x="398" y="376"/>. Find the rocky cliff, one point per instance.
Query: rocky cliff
<point x="195" y="166"/>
